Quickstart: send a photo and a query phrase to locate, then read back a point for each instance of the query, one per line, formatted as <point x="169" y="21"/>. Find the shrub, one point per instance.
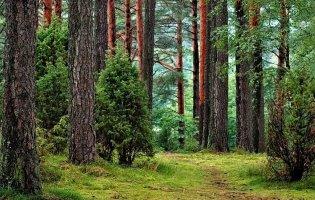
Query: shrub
<point x="291" y="126"/>
<point x="52" y="86"/>
<point x="123" y="118"/>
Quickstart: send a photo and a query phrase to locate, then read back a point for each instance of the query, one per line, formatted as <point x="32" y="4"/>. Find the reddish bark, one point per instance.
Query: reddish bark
<point x="128" y="31"/>
<point x="180" y="81"/>
<point x="194" y="5"/>
<point x="58" y="8"/>
<point x="139" y="22"/>
<point x="111" y="27"/>
<point x="47" y="12"/>
<point x="202" y="64"/>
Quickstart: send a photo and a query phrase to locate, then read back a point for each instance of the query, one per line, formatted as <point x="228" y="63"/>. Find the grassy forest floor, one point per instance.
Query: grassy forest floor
<point x="168" y="176"/>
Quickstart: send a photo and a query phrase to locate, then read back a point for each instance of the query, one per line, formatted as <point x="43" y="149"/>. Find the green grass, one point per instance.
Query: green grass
<point x="167" y="176"/>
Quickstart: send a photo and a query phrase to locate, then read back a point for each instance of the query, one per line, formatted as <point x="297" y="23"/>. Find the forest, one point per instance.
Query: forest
<point x="157" y="99"/>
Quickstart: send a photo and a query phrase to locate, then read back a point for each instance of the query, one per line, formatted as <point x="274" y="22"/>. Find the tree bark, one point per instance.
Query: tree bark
<point x="258" y="90"/>
<point x="220" y="133"/>
<point x="180" y="78"/>
<point x="211" y="58"/>
<point x="111" y="12"/>
<point x="139" y="22"/>
<point x="47" y="12"/>
<point x="148" y="48"/>
<point x="202" y="65"/>
<point x="58" y="9"/>
<point x="82" y="135"/>
<point x="283" y="57"/>
<point x="243" y="96"/>
<point x="100" y="33"/>
<point x="19" y="159"/>
<point x="194" y="5"/>
<point x="128" y="31"/>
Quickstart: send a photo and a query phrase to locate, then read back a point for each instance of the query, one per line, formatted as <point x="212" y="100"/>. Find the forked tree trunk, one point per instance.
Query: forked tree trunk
<point x="111" y="12"/>
<point x="47" y="11"/>
<point x="220" y="133"/>
<point x="58" y="8"/>
<point x="202" y="65"/>
<point x="128" y="31"/>
<point x="258" y="90"/>
<point x="180" y="78"/>
<point x="19" y="168"/>
<point x="139" y="22"/>
<point x="194" y="5"/>
<point x="100" y="33"/>
<point x="82" y="135"/>
<point x="243" y="94"/>
<point x="148" y="48"/>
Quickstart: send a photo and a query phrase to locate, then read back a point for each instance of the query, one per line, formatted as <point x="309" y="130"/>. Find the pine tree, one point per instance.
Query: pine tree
<point x="82" y="135"/>
<point x="19" y="159"/>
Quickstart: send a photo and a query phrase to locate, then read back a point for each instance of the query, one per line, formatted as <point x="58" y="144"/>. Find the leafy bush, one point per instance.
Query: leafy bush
<point x="54" y="141"/>
<point x="123" y="118"/>
<point x="291" y="128"/>
<point x="166" y="127"/>
<point x="52" y="96"/>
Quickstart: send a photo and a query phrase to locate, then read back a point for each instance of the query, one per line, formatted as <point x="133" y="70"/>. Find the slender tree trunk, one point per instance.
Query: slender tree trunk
<point x="128" y="30"/>
<point x="82" y="135"/>
<point x="194" y="5"/>
<point x="139" y="22"/>
<point x="258" y="90"/>
<point x="47" y="12"/>
<point x="220" y="133"/>
<point x="283" y="57"/>
<point x="243" y="96"/>
<point x="19" y="168"/>
<point x="58" y="8"/>
<point x="202" y="65"/>
<point x="148" y="48"/>
<point x="100" y="33"/>
<point x="180" y="79"/>
<point x="111" y="12"/>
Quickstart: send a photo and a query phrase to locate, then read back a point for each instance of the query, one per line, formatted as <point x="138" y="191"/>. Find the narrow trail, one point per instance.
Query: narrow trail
<point x="216" y="186"/>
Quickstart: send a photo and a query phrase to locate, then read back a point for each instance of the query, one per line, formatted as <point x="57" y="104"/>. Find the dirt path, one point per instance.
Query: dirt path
<point x="224" y="190"/>
<point x="216" y="186"/>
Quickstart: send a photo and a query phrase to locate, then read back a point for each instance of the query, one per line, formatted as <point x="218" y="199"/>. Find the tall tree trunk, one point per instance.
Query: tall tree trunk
<point x="19" y="168"/>
<point x="47" y="12"/>
<point x="100" y="33"/>
<point x="82" y="135"/>
<point x="139" y="22"/>
<point x="128" y="31"/>
<point x="202" y="65"/>
<point x="148" y="48"/>
<point x="258" y="90"/>
<point x="194" y="5"/>
<point x="243" y="96"/>
<point x="211" y="57"/>
<point x="180" y="78"/>
<point x="58" y="8"/>
<point x="283" y="57"/>
<point x="111" y="12"/>
<point x="220" y="134"/>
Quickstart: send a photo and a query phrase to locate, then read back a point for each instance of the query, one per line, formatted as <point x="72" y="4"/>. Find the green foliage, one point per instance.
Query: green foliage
<point x="291" y="134"/>
<point x="52" y="46"/>
<point x="123" y="118"/>
<point x="54" y="141"/>
<point x="166" y="127"/>
<point x="52" y="86"/>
